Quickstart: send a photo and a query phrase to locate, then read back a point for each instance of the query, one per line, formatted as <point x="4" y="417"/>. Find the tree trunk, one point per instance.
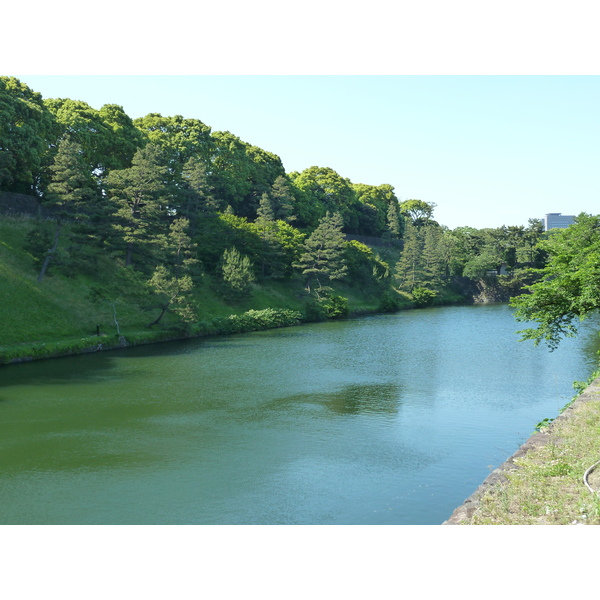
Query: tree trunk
<point x="50" y="252"/>
<point x="156" y="321"/>
<point x="128" y="254"/>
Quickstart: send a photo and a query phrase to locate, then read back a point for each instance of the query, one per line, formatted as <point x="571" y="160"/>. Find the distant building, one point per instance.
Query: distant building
<point x="558" y="221"/>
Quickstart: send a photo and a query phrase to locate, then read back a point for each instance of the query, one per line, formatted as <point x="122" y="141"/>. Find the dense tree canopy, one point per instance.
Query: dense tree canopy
<point x="26" y="129"/>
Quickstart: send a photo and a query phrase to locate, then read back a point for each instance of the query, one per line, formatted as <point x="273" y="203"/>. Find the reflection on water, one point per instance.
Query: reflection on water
<point x="362" y="399"/>
<point x="387" y="419"/>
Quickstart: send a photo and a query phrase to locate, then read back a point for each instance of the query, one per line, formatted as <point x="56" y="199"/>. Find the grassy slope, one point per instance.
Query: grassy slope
<point x="61" y="308"/>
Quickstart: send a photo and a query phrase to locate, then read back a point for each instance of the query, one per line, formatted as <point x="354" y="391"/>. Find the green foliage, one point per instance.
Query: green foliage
<point x="180" y="139"/>
<point x="378" y="210"/>
<point x="569" y="289"/>
<point x="172" y="293"/>
<point x="336" y="307"/>
<point x="423" y="296"/>
<point x="238" y="273"/>
<point x="26" y="129"/>
<point x="409" y="271"/>
<point x="256" y="320"/>
<point x="479" y="265"/>
<point x="365" y="268"/>
<point x="323" y="257"/>
<point x="171" y="282"/>
<point x="282" y="200"/>
<point x="326" y="306"/>
<point x="390" y="301"/>
<point x="140" y="194"/>
<point x="419" y="211"/>
<point x="86" y="126"/>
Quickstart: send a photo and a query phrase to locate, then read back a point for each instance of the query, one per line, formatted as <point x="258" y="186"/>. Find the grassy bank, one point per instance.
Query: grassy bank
<point x="105" y="308"/>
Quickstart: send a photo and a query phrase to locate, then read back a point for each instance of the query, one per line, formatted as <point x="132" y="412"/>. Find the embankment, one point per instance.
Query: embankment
<point x="554" y="434"/>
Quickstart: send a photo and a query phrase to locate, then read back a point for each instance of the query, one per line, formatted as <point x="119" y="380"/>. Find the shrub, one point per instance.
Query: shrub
<point x="423" y="296"/>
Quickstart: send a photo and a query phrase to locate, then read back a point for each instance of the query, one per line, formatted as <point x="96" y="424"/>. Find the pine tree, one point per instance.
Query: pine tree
<point x="70" y="190"/>
<point x="323" y="256"/>
<point x="409" y="269"/>
<point x="238" y="273"/>
<point x="271" y="252"/>
<point x="282" y="200"/>
<point x="140" y="194"/>
<point x="171" y="282"/>
<point x="433" y="263"/>
<point x="394" y="228"/>
<point x="198" y="201"/>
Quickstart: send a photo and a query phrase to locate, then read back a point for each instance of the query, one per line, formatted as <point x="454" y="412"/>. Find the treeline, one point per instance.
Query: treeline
<point x="176" y="206"/>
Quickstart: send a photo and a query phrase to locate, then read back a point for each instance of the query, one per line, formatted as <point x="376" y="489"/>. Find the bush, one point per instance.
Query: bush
<point x="336" y="307"/>
<point x="327" y="307"/>
<point x="255" y="320"/>
<point x="423" y="296"/>
<point x="390" y="301"/>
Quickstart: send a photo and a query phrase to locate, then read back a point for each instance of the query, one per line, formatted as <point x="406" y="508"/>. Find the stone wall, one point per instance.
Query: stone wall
<point x="19" y="204"/>
<point x="462" y="515"/>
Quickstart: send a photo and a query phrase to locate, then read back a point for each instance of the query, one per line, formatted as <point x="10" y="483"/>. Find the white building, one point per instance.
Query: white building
<point x="558" y="221"/>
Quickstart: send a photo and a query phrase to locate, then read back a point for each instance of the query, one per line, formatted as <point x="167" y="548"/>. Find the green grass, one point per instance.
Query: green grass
<point x="61" y="314"/>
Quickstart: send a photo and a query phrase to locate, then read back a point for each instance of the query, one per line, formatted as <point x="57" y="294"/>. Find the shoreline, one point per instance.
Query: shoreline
<point x="463" y="514"/>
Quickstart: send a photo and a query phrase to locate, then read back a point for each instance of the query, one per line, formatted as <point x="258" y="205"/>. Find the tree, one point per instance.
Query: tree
<point x="323" y="257"/>
<point x="238" y="273"/>
<point x="172" y="294"/>
<point x="196" y="201"/>
<point x="83" y="124"/>
<point x="419" y="211"/>
<point x="378" y="210"/>
<point x="124" y="138"/>
<point x="140" y="193"/>
<point x="409" y="272"/>
<point x="282" y="200"/>
<point x="69" y="191"/>
<point x="180" y="139"/>
<point x="26" y="129"/>
<point x="394" y="224"/>
<point x="326" y="191"/>
<point x="433" y="261"/>
<point x="569" y="289"/>
<point x="171" y="281"/>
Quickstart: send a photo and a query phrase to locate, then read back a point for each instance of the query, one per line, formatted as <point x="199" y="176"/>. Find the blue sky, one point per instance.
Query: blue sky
<point x="487" y="150"/>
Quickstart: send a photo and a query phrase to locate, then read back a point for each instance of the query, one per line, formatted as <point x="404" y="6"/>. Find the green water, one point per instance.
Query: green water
<point x="390" y="419"/>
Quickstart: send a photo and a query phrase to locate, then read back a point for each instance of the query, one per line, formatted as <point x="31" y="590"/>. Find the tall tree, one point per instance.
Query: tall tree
<point x="409" y="271"/>
<point x="196" y="200"/>
<point x="69" y="191"/>
<point x="433" y="261"/>
<point x="323" y="257"/>
<point x="272" y="256"/>
<point x="419" y="211"/>
<point x="394" y="221"/>
<point x="327" y="191"/>
<point x="283" y="200"/>
<point x="140" y="194"/>
<point x="172" y="282"/>
<point x="124" y="138"/>
<point x="180" y="139"/>
<point x="26" y="129"/>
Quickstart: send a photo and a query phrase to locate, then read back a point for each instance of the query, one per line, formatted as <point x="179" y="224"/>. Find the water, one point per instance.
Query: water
<point x="391" y="419"/>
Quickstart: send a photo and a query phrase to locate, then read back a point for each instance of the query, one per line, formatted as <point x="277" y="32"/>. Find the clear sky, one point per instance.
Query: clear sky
<point x="487" y="150"/>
